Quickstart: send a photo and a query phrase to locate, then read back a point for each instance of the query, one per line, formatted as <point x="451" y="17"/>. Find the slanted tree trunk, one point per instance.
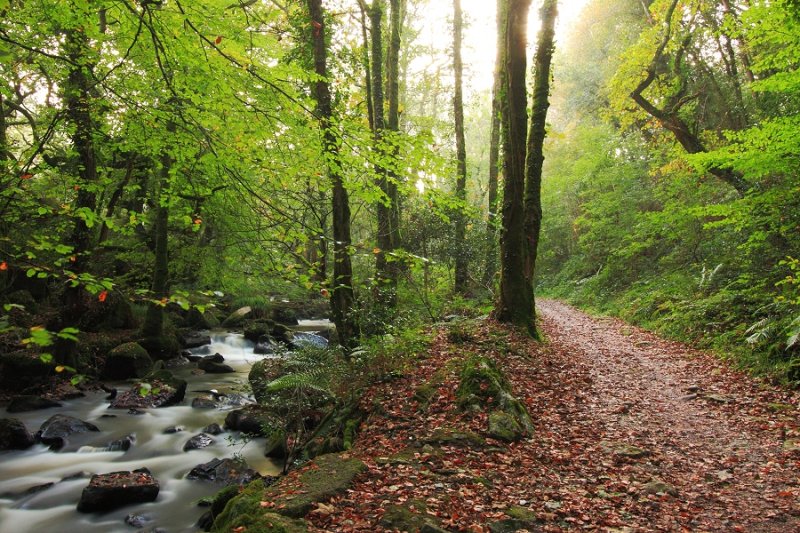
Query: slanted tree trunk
<point x="342" y="297"/>
<point x="490" y="268"/>
<point x="536" y="135"/>
<point x="461" y="262"/>
<point x="515" y="300"/>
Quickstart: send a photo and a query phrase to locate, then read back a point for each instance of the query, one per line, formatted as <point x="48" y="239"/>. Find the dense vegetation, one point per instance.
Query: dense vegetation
<point x="159" y="152"/>
<point x="681" y="215"/>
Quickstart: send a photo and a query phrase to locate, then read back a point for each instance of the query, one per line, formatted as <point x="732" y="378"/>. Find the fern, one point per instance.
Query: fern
<point x="761" y="331"/>
<point x="317" y="379"/>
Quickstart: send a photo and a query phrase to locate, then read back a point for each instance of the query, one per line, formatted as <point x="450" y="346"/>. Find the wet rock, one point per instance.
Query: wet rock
<point x="193" y="358"/>
<point x="224" y="472"/>
<point x="304" y="339"/>
<point x="14" y="435"/>
<point x="135" y="412"/>
<point x="156" y="390"/>
<point x="216" y="358"/>
<point x="204" y="402"/>
<point x="22" y="404"/>
<point x="213" y="429"/>
<point x="121" y="445"/>
<point x="138" y="520"/>
<point x="177" y="362"/>
<point x="56" y="430"/>
<point x="117" y="489"/>
<point x="257" y="329"/>
<point x="264" y="346"/>
<point x="174" y="429"/>
<point x="262" y="373"/>
<point x="254" y="419"/>
<point x="211" y="367"/>
<point x="198" y="442"/>
<point x="194" y="339"/>
<point x="127" y="361"/>
<point x="282" y="334"/>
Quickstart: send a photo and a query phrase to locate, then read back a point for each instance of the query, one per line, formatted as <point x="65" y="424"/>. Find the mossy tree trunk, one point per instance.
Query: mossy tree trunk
<point x="461" y="262"/>
<point x="536" y="136"/>
<point x="342" y="297"/>
<point x="515" y="300"/>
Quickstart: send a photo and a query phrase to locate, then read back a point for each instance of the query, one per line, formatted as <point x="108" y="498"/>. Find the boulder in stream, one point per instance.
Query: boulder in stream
<point x="159" y="390"/>
<point x="212" y="367"/>
<point x="117" y="489"/>
<point x="128" y="360"/>
<point x="253" y="419"/>
<point x="22" y="404"/>
<point x="204" y="402"/>
<point x="194" y="339"/>
<point x="198" y="442"/>
<point x="14" y="435"/>
<point x="224" y="472"/>
<point x="56" y="429"/>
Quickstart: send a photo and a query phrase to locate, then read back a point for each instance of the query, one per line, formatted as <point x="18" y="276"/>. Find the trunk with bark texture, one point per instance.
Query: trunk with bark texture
<point x="342" y="297"/>
<point x="515" y="302"/>
<point x="461" y="263"/>
<point x="535" y="161"/>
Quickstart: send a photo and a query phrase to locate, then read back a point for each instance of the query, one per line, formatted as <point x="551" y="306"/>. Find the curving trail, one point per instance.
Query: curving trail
<point x="632" y="433"/>
<point x="711" y="433"/>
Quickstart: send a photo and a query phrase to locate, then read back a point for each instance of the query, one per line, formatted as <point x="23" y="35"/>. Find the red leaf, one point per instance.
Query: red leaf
<point x="26" y="176"/>
<point x="102" y="296"/>
<point x="218" y="39"/>
<point x="3" y="266"/>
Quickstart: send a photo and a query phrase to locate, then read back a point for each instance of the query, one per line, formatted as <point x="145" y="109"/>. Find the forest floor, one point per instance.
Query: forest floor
<point x="632" y="433"/>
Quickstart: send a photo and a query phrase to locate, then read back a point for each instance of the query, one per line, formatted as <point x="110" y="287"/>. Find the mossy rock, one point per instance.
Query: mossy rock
<point x="254" y="420"/>
<point x="114" y="312"/>
<point x="166" y="346"/>
<point x="237" y="318"/>
<point x="254" y="330"/>
<point x="410" y="517"/>
<point x="21" y="369"/>
<point x="262" y="373"/>
<point x="481" y="381"/>
<point x="425" y="394"/>
<point x="452" y="437"/>
<point x="128" y="360"/>
<point x="293" y="496"/>
<point x="503" y="426"/>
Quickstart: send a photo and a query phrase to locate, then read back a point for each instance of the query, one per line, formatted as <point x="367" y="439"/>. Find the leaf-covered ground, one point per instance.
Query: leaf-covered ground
<point x="633" y="433"/>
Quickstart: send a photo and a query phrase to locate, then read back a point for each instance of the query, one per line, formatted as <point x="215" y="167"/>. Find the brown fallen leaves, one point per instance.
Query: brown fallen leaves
<point x="617" y="445"/>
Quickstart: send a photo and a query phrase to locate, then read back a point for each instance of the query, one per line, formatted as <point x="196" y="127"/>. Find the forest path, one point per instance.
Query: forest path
<point x="712" y="434"/>
<point x="631" y="433"/>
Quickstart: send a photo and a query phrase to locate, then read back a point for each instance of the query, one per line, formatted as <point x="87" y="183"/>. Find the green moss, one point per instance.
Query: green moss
<point x="451" y="437"/>
<point x="503" y="426"/>
<point x="256" y="329"/>
<point x="481" y="381"/>
<point x="292" y="497"/>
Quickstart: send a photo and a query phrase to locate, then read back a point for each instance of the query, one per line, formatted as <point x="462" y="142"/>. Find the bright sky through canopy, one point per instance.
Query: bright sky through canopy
<point x="479" y="33"/>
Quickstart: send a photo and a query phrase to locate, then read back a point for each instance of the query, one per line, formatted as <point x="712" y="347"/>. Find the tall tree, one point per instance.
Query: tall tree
<point x="523" y="163"/>
<point x="490" y="266"/>
<point x="536" y="135"/>
<point x="342" y="297"/>
<point x="461" y="262"/>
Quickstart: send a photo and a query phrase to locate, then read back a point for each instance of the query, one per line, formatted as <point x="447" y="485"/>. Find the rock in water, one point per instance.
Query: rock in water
<point x="214" y="368"/>
<point x="304" y="339"/>
<point x="117" y="489"/>
<point x="14" y="435"/>
<point x="55" y="430"/>
<point x="195" y="339"/>
<point x="126" y="361"/>
<point x="197" y="442"/>
<point x="224" y="472"/>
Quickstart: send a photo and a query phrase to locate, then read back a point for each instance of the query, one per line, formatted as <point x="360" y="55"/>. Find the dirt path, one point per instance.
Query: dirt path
<point x="632" y="433"/>
<point x="709" y="432"/>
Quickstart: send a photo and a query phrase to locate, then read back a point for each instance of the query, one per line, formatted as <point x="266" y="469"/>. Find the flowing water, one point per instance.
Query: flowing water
<point x="53" y="508"/>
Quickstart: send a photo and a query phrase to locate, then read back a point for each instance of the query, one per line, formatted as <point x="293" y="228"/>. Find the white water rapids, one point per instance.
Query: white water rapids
<point x="53" y="509"/>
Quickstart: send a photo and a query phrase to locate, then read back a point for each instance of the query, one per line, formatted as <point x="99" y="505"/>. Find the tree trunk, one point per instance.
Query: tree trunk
<point x="342" y="297"/>
<point x="461" y="263"/>
<point x="515" y="303"/>
<point x="490" y="268"/>
<point x="153" y="327"/>
<point x="535" y="161"/>
<point x="393" y="123"/>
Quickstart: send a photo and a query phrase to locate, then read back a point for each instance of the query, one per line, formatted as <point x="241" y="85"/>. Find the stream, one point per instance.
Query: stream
<point x="28" y="504"/>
